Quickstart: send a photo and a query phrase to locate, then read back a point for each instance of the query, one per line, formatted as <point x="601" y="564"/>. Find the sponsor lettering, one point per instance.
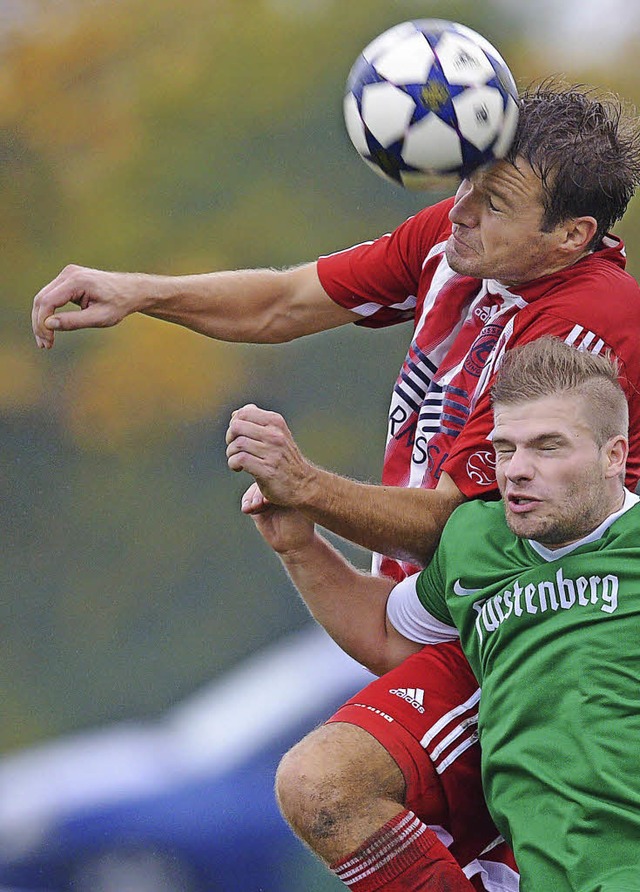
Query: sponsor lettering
<point x="482" y="114"/>
<point x="373" y="709"/>
<point x="397" y="417"/>
<point x="436" y="457"/>
<point x="464" y="60"/>
<point x="559" y="593"/>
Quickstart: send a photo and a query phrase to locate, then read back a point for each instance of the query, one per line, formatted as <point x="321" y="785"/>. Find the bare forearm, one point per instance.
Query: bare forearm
<point x="230" y="306"/>
<point x="349" y="604"/>
<point x="248" y="306"/>
<point x="397" y="521"/>
<point x="252" y="306"/>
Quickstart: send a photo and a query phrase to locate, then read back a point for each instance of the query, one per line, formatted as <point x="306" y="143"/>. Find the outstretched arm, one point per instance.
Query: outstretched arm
<point x="399" y="522"/>
<point x="349" y="604"/>
<point x="252" y="306"/>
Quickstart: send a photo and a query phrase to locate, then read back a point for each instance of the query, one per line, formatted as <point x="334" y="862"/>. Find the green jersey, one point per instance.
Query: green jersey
<point x="554" y="640"/>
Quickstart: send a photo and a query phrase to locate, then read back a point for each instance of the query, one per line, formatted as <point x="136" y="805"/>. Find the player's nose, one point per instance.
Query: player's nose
<point x="520" y="466"/>
<point x="465" y="210"/>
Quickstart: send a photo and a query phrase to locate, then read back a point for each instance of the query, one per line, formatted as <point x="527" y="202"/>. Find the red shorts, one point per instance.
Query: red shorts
<point x="425" y="714"/>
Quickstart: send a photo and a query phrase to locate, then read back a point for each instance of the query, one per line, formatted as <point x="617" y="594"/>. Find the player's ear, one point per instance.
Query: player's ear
<point x="579" y="233"/>
<point x="615" y="451"/>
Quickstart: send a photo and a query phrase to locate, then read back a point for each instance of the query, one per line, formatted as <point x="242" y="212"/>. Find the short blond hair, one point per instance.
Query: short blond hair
<point x="550" y="367"/>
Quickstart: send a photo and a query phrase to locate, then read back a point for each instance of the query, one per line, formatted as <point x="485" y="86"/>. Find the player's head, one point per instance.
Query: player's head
<point x="586" y="150"/>
<point x="548" y="367"/>
<point x="560" y="438"/>
<point x="570" y="173"/>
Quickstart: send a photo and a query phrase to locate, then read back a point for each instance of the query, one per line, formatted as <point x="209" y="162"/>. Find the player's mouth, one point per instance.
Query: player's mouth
<point x="519" y="503"/>
<point x="460" y="245"/>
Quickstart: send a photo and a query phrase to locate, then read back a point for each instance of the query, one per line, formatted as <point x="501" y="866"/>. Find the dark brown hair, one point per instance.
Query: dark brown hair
<point x="586" y="150"/>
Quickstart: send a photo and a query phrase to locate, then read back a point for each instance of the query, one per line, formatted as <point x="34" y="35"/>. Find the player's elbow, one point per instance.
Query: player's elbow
<point x="387" y="653"/>
<point x="280" y="326"/>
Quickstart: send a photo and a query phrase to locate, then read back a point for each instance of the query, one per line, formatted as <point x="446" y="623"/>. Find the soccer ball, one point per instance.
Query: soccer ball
<point x="427" y="99"/>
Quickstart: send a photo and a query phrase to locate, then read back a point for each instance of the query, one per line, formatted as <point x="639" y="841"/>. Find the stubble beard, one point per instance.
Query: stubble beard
<point x="460" y="265"/>
<point x="566" y="526"/>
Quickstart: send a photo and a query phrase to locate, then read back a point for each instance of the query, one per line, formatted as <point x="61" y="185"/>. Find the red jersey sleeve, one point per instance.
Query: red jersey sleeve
<point x="379" y="280"/>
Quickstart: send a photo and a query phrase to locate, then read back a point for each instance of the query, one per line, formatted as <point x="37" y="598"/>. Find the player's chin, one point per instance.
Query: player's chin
<point x="465" y="264"/>
<point x="522" y="526"/>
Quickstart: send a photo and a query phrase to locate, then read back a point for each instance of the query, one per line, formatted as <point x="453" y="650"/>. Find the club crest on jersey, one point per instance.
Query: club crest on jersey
<point x="481" y="467"/>
<point x="481" y="350"/>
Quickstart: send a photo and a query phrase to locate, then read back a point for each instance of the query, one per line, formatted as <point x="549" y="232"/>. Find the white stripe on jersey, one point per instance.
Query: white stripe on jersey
<point x="442" y="766"/>
<point x="449" y="717"/>
<point x="580" y="338"/>
<point x="470" y="722"/>
<point x="437" y="249"/>
<point x="370" y="308"/>
<point x="351" y="247"/>
<point x="495" y="876"/>
<point x="441" y="276"/>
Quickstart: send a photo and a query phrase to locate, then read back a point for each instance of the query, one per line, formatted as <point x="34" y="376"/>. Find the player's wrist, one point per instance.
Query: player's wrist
<point x="316" y="492"/>
<point x="302" y="554"/>
<point x="158" y="294"/>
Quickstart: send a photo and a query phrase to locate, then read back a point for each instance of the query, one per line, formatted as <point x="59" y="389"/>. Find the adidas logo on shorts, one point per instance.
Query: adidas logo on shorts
<point x="414" y="696"/>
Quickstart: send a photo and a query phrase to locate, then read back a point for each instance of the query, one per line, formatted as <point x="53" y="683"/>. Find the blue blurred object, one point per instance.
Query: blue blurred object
<point x="184" y="804"/>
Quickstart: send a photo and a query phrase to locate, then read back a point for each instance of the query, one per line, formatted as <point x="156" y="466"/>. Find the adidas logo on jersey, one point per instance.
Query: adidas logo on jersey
<point x="414" y="696"/>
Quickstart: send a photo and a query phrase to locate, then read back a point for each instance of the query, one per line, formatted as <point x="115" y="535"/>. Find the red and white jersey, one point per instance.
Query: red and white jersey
<point x="440" y="416"/>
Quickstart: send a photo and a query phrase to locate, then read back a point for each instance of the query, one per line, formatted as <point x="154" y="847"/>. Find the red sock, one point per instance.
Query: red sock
<point x="403" y="856"/>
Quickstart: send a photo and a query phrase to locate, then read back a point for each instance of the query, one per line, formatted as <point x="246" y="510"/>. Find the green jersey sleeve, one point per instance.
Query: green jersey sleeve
<point x="431" y="589"/>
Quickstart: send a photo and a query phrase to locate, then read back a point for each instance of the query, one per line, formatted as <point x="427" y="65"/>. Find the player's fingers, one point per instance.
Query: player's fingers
<point x="44" y="342"/>
<point x="93" y="316"/>
<point x="253" y="502"/>
<point x="257" y="415"/>
<point x="263" y="431"/>
<point x="243" y="453"/>
<point x="236" y="426"/>
<point x="64" y="289"/>
<point x="39" y="312"/>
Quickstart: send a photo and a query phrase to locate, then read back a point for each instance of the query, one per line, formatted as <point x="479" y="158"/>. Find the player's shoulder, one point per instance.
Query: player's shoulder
<point x="597" y="273"/>
<point x="475" y="536"/>
<point x="476" y="515"/>
<point x="624" y="532"/>
<point x="608" y="265"/>
<point x="419" y="238"/>
<point x="595" y="299"/>
<point x="439" y="209"/>
<point x="434" y="218"/>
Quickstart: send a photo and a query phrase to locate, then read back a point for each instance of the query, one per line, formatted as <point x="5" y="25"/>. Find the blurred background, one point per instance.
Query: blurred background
<point x="185" y="136"/>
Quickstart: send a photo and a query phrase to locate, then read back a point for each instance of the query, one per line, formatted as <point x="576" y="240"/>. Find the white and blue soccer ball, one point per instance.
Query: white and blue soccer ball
<point x="429" y="99"/>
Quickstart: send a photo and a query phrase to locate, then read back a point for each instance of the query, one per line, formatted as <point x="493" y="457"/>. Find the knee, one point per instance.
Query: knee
<point x="330" y="776"/>
<point x="311" y="784"/>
